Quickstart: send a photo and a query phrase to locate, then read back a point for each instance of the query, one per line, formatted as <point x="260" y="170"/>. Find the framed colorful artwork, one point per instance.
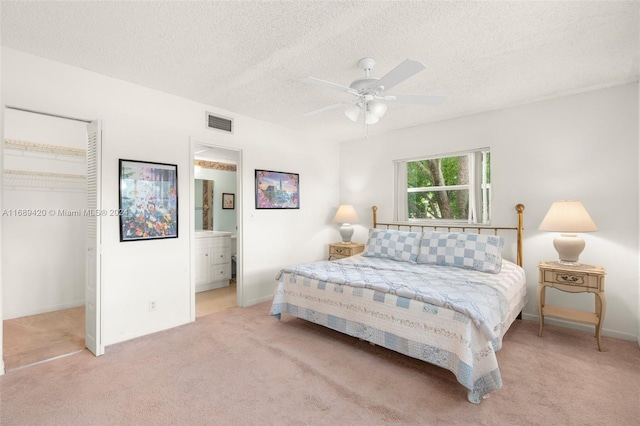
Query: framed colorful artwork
<point x="228" y="201"/>
<point x="148" y="200"/>
<point x="277" y="190"/>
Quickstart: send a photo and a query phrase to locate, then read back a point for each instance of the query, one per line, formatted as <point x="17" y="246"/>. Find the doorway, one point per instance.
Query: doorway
<point x="216" y="231"/>
<point x="43" y="265"/>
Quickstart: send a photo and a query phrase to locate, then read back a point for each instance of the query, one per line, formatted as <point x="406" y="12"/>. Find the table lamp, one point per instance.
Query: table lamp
<point x="568" y="218"/>
<point x="346" y="215"/>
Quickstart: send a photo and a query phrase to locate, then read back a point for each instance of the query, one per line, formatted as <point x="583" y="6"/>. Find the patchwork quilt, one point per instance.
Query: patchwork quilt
<point x="452" y="317"/>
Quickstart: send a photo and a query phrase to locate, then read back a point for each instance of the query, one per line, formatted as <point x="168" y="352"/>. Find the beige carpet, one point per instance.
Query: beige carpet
<point x="242" y="367"/>
<point x="41" y="337"/>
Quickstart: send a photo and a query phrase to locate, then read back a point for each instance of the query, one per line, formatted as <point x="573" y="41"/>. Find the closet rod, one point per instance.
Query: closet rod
<point x="48" y="114"/>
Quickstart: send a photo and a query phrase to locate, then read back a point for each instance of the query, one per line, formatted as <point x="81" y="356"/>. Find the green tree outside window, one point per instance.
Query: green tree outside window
<point x="440" y="188"/>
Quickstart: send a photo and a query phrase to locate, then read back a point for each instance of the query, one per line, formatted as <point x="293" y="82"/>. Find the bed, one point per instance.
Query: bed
<point x="444" y="296"/>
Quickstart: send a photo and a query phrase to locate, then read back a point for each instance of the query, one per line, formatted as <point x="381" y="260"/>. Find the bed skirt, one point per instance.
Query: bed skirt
<point x="437" y="335"/>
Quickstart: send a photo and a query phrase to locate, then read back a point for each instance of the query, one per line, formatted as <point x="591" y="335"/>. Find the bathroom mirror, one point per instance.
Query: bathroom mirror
<point x="203" y="204"/>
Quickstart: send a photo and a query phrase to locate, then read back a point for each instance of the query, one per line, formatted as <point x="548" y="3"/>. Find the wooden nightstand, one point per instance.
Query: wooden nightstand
<point x="573" y="279"/>
<point x="342" y="250"/>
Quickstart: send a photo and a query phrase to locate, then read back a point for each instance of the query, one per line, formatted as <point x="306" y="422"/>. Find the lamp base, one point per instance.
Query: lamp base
<point x="564" y="262"/>
<point x="346" y="232"/>
<point x="569" y="247"/>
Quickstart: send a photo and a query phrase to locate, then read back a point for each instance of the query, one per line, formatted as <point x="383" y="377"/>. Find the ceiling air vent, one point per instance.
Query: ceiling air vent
<point x="219" y="123"/>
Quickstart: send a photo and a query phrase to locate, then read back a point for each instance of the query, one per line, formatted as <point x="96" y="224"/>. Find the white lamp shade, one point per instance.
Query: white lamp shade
<point x="353" y="112"/>
<point x="371" y="119"/>
<point x="346" y="214"/>
<point x="377" y="108"/>
<point x="568" y="217"/>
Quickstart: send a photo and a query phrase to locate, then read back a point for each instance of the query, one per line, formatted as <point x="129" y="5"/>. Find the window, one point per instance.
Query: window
<point x="451" y="187"/>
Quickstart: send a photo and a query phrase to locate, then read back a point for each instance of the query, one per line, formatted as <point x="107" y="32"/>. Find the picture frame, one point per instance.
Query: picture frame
<point x="148" y="200"/>
<point x="228" y="201"/>
<point x="277" y="190"/>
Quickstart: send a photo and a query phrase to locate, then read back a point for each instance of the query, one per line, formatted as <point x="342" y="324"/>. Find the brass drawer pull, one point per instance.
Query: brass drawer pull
<point x="339" y="250"/>
<point x="568" y="278"/>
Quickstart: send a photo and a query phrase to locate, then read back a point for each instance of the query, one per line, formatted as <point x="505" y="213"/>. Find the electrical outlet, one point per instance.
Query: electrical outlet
<point x="153" y="305"/>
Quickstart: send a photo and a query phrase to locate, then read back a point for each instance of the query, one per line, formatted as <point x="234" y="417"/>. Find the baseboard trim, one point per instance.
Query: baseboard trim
<point x="212" y="286"/>
<point x="259" y="300"/>
<point x="43" y="310"/>
<point x="579" y="326"/>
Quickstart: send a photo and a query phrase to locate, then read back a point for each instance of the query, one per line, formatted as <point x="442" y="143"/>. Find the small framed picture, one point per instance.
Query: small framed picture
<point x="228" y="201"/>
<point x="277" y="190"/>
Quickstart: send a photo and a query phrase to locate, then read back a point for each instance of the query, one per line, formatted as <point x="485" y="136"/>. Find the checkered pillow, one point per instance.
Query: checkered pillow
<point x="470" y="251"/>
<point x="392" y="244"/>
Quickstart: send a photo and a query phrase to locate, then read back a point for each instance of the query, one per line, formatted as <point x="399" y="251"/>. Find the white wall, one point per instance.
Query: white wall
<point x="43" y="262"/>
<point x="144" y="124"/>
<point x="581" y="147"/>
<point x="1" y="207"/>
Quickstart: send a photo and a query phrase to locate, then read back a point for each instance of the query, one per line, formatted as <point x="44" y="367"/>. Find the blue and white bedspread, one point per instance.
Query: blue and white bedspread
<point x="451" y="317"/>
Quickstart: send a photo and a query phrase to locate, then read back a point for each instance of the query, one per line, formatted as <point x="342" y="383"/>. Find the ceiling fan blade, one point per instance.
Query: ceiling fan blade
<point x="406" y="69"/>
<point x="416" y="99"/>
<point x="326" y="108"/>
<point x="328" y="85"/>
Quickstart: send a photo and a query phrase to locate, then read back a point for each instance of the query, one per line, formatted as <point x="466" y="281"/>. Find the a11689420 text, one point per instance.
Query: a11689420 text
<point x="61" y="212"/>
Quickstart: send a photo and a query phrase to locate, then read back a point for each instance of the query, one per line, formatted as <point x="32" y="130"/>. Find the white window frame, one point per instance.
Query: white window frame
<point x="480" y="194"/>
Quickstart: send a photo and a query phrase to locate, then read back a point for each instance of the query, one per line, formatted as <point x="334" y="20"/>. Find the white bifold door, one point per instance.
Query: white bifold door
<point x="93" y="335"/>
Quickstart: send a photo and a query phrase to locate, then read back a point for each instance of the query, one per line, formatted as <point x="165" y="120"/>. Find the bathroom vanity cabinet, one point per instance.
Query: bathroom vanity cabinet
<point x="212" y="260"/>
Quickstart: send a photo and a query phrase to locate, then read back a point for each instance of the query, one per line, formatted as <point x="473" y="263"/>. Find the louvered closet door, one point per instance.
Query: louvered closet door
<point x="93" y="338"/>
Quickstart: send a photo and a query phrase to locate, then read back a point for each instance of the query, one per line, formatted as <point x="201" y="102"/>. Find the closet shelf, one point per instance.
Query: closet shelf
<point x="24" y="179"/>
<point x="25" y="146"/>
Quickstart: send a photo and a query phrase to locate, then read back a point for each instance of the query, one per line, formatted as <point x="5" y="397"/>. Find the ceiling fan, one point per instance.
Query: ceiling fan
<point x="370" y="91"/>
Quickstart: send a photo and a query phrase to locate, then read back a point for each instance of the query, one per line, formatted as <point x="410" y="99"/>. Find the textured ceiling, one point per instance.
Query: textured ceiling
<point x="247" y="57"/>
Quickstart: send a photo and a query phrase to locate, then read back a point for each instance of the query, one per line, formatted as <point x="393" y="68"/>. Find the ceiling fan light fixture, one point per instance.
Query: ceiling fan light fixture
<point x="370" y="91"/>
<point x="371" y="119"/>
<point x="353" y="112"/>
<point x="377" y="108"/>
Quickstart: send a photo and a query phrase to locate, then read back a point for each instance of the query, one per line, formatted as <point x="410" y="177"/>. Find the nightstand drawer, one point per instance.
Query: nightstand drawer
<point x="342" y="251"/>
<point x="571" y="278"/>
